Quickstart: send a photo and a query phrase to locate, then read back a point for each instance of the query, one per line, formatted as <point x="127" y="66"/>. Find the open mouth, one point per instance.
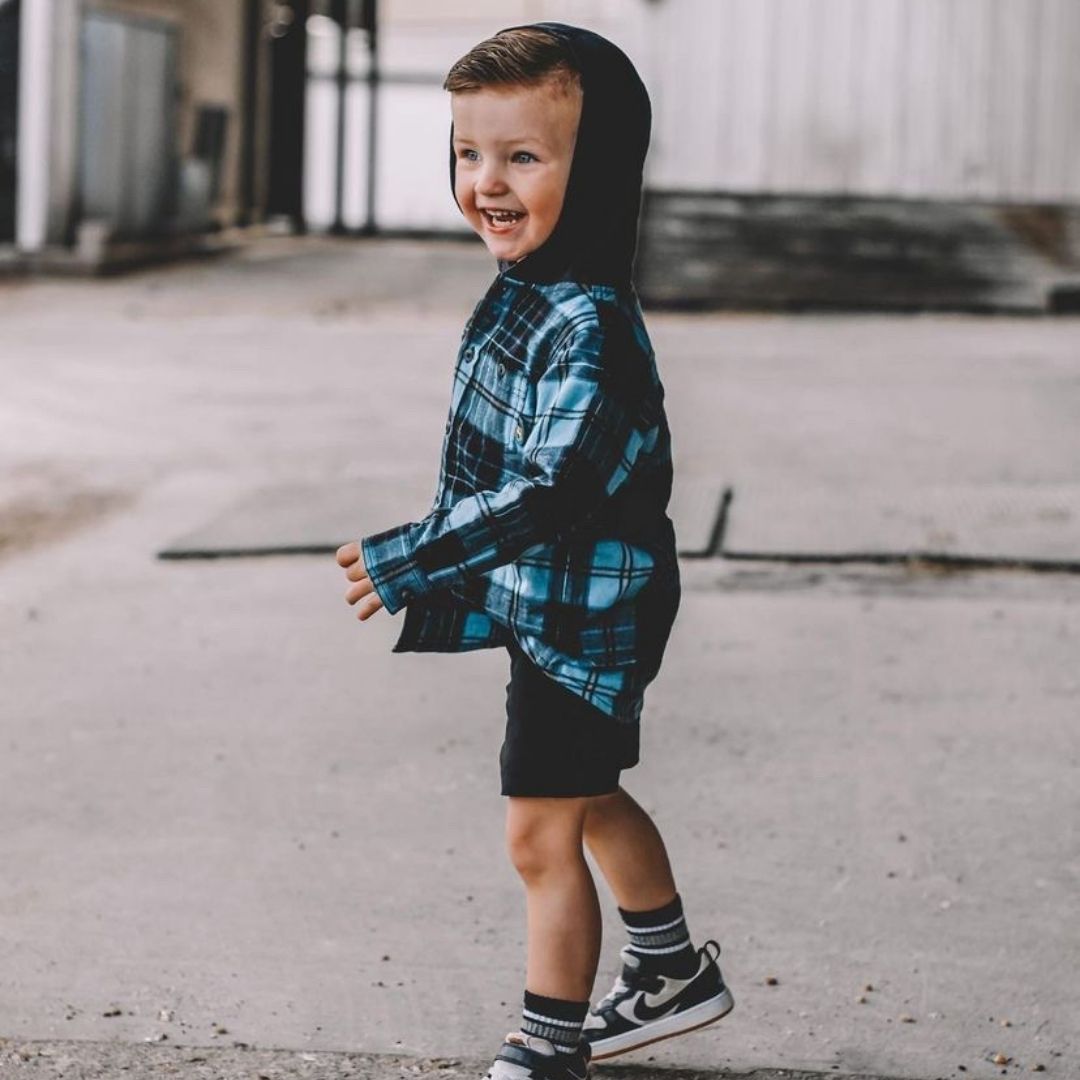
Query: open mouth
<point x="501" y="220"/>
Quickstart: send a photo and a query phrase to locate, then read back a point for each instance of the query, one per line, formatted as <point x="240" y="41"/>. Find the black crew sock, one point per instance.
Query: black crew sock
<point x="554" y="1019"/>
<point x="661" y="940"/>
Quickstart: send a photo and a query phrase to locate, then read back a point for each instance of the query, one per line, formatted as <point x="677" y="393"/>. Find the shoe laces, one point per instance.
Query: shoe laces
<point x="630" y="981"/>
<point x="634" y="977"/>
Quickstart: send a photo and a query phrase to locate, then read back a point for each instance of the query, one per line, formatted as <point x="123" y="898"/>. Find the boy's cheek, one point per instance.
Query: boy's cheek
<point x="475" y="223"/>
<point x="463" y="194"/>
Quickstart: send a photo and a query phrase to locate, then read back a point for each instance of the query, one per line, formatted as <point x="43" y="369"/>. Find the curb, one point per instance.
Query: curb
<point x="54" y="1059"/>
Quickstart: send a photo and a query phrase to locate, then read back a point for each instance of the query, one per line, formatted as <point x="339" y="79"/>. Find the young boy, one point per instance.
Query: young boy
<point x="549" y="534"/>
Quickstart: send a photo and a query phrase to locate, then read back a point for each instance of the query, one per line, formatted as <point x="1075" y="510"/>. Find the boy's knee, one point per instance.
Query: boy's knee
<point x="539" y="841"/>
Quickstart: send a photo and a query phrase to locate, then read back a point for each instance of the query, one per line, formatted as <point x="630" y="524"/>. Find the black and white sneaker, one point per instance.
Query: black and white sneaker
<point x="643" y="1008"/>
<point x="528" y="1057"/>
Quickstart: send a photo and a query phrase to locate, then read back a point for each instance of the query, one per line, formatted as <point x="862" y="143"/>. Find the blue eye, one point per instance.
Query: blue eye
<point x="466" y="152"/>
<point x="525" y="154"/>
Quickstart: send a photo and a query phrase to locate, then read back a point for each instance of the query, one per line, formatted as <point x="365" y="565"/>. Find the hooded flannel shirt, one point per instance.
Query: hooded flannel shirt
<point x="549" y="523"/>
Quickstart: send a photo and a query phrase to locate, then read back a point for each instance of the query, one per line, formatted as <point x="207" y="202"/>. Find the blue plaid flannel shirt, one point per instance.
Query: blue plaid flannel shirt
<point x="548" y="525"/>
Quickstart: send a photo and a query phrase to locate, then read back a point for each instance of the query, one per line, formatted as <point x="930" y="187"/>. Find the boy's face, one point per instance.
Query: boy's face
<point x="513" y="146"/>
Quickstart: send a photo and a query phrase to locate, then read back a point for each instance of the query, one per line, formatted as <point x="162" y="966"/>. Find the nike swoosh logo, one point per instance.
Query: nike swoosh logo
<point x="647" y="1013"/>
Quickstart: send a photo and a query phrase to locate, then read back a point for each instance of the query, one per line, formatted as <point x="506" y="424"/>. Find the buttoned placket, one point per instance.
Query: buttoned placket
<point x="468" y="356"/>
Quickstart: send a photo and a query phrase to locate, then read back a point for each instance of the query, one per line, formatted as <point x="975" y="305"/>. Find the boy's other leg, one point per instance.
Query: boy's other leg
<point x="544" y="841"/>
<point x="666" y="987"/>
<point x="631" y="854"/>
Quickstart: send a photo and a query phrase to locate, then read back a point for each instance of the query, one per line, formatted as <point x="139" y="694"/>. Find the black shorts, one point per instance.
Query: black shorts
<point x="557" y="744"/>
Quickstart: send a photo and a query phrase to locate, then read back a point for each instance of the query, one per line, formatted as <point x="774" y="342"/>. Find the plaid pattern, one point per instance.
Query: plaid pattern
<point x="549" y="513"/>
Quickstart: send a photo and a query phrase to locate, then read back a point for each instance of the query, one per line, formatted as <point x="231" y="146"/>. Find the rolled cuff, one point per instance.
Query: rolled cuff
<point x="394" y="573"/>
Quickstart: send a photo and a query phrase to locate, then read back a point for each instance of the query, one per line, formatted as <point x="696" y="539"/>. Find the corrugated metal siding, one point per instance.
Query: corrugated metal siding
<point x="916" y="98"/>
<point x="127" y="105"/>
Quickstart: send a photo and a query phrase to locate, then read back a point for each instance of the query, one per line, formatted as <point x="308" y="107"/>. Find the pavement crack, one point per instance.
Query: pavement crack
<point x="714" y="545"/>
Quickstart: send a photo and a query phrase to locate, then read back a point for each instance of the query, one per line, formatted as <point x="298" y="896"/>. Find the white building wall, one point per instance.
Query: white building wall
<point x="953" y="99"/>
<point x="946" y="99"/>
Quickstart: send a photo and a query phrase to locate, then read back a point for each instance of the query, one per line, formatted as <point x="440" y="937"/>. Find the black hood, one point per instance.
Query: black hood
<point x="596" y="235"/>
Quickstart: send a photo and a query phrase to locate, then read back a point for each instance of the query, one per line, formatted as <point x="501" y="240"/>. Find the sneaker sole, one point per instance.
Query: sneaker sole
<point x="708" y="1012"/>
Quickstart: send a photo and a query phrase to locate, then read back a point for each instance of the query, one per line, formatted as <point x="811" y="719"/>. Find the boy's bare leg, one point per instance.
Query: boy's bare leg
<point x="544" y="841"/>
<point x="633" y="859"/>
<point x="630" y="852"/>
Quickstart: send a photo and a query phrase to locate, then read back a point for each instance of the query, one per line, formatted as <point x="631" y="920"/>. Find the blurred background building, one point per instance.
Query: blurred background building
<point x="900" y="153"/>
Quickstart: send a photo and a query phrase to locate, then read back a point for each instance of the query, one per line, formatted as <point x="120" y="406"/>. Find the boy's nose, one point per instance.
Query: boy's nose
<point x="491" y="181"/>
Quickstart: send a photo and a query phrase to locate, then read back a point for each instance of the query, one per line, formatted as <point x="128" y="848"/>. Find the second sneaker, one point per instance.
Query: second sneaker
<point x="643" y="1007"/>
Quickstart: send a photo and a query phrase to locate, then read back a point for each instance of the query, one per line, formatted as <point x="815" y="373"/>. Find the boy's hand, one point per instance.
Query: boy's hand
<point x="363" y="593"/>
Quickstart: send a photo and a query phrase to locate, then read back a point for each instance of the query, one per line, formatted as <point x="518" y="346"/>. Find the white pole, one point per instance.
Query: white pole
<point x="35" y="110"/>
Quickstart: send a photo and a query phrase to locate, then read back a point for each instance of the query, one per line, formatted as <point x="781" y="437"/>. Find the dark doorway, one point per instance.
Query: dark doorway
<point x="323" y="73"/>
<point x="9" y="110"/>
<point x="288" y="60"/>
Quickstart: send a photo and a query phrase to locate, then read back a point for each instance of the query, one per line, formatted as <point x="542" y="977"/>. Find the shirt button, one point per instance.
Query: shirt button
<point x="502" y="369"/>
<point x="406" y="594"/>
<point x="470" y="354"/>
<point x="519" y="433"/>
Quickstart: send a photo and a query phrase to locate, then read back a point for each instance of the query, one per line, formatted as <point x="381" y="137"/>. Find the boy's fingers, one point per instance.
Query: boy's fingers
<point x="359" y="590"/>
<point x="357" y="572"/>
<point x="348" y="553"/>
<point x="368" y="606"/>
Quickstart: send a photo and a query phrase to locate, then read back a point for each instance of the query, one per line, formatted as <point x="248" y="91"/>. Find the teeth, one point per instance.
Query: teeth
<point x="503" y="217"/>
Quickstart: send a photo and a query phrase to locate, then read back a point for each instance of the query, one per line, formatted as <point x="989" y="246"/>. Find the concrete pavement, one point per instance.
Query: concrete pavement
<point x="228" y="806"/>
<point x="47" y="1060"/>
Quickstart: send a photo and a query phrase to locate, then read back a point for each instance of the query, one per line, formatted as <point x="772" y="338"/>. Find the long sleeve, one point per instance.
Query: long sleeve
<point x="589" y="427"/>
